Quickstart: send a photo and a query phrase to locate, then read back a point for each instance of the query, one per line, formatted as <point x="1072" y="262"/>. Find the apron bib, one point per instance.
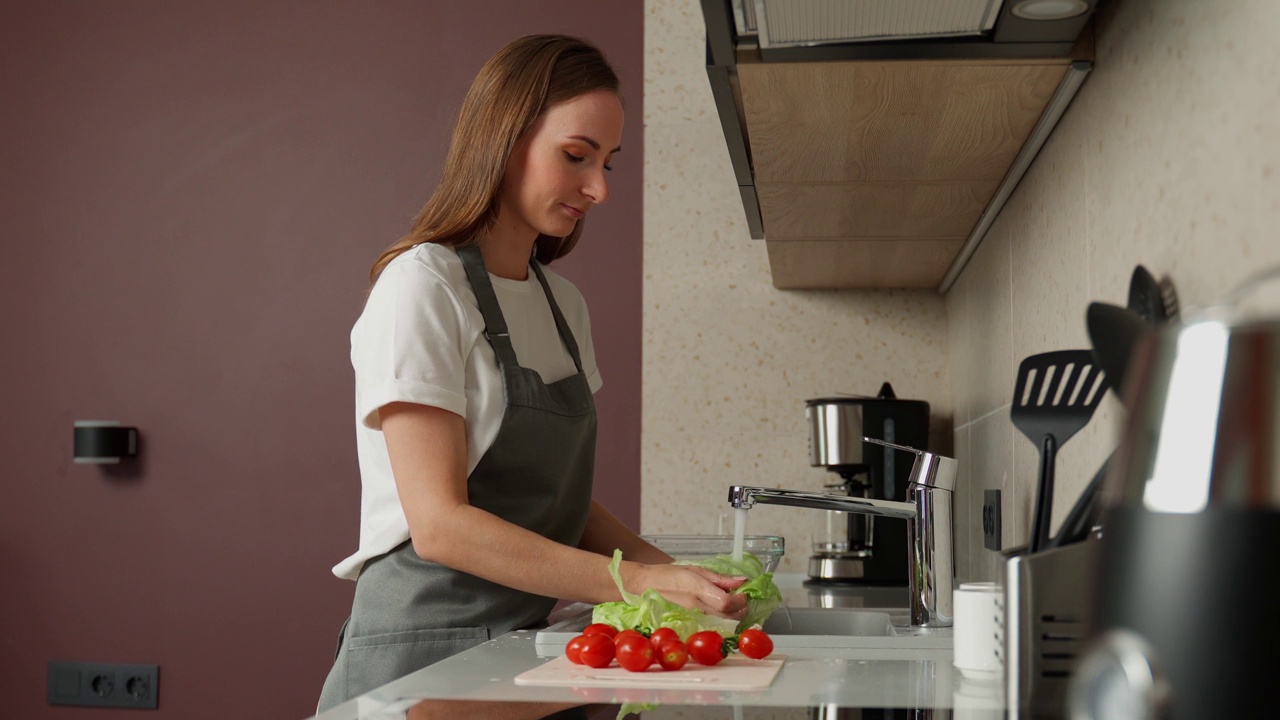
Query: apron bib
<point x="409" y="613"/>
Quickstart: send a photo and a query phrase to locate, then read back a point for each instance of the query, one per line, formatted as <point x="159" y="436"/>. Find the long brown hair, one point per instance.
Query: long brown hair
<point x="511" y="91"/>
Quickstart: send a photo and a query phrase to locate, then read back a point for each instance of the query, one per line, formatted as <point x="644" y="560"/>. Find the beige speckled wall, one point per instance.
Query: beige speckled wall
<point x="1168" y="157"/>
<point x="728" y="359"/>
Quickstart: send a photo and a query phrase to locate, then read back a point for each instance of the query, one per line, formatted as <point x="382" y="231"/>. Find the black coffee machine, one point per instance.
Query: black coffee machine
<point x="873" y="550"/>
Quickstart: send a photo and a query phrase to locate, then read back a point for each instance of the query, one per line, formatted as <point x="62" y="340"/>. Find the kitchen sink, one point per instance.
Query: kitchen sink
<point x="788" y="622"/>
<point x="800" y="628"/>
<point x="849" y="628"/>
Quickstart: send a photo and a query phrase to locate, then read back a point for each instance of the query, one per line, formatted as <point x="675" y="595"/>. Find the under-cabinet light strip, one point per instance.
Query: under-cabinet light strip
<point x="1048" y="121"/>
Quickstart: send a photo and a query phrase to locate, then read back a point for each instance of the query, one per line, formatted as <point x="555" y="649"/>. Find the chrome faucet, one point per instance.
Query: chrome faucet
<point x="929" y="529"/>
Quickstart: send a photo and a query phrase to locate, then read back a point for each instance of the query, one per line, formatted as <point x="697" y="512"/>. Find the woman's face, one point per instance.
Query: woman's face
<point x="557" y="170"/>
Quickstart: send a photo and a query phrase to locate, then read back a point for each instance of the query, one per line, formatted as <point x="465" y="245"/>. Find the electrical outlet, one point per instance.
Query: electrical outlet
<point x="103" y="685"/>
<point x="991" y="519"/>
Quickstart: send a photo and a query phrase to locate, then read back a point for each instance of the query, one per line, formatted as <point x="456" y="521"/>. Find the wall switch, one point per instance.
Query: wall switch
<point x="103" y="685"/>
<point x="991" y="519"/>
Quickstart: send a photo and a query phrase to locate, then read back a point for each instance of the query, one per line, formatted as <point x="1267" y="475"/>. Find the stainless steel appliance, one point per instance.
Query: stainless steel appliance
<point x="1185" y="624"/>
<point x="867" y="549"/>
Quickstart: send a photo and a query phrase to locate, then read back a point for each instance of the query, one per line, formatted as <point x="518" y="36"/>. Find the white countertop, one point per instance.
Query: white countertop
<point x="811" y="677"/>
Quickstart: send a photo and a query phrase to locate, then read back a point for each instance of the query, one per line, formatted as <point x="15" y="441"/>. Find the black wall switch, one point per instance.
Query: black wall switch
<point x="991" y="519"/>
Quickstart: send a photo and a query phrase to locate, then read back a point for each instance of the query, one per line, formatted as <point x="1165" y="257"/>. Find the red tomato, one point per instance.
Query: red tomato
<point x="662" y="636"/>
<point x="706" y="647"/>
<point x="635" y="653"/>
<point x="600" y="629"/>
<point x="626" y="633"/>
<point x="597" y="651"/>
<point x="673" y="655"/>
<point x="574" y="649"/>
<point x="755" y="644"/>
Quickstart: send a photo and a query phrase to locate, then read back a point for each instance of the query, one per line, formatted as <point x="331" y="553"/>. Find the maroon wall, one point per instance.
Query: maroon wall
<point x="192" y="194"/>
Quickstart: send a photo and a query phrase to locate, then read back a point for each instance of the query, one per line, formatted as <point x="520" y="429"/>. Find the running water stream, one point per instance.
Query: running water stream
<point x="739" y="538"/>
<point x="739" y="532"/>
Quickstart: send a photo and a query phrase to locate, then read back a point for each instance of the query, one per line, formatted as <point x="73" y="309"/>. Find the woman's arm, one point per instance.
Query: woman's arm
<point x="428" y="451"/>
<point x="605" y="532"/>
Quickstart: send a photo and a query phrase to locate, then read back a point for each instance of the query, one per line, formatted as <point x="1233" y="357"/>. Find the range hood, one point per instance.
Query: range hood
<point x="778" y="24"/>
<point x="782" y="23"/>
<point x="875" y="141"/>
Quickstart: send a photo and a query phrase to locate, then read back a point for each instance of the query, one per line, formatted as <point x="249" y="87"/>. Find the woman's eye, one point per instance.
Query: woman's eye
<point x="580" y="158"/>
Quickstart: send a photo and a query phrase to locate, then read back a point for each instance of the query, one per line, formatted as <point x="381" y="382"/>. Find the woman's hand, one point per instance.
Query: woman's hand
<point x="692" y="587"/>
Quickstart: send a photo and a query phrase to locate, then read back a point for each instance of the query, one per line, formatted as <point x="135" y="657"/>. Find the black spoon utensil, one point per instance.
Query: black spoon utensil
<point x="1114" y="332"/>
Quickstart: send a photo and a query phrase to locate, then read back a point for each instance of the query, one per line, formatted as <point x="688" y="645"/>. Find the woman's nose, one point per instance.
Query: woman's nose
<point x="597" y="187"/>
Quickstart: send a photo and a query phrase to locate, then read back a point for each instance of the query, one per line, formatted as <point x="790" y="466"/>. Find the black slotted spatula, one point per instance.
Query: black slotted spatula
<point x="1054" y="397"/>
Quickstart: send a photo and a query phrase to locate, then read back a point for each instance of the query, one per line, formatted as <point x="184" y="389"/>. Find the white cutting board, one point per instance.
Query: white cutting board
<point x="733" y="673"/>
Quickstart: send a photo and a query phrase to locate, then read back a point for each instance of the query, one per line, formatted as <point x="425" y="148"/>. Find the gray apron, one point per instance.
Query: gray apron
<point x="409" y="613"/>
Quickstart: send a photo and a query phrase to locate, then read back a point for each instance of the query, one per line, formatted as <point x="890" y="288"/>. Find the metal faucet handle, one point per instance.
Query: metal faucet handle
<point x="903" y="448"/>
<point x="930" y="469"/>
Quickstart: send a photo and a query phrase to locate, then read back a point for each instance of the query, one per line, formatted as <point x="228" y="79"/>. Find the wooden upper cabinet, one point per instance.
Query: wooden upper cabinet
<point x="876" y="173"/>
<point x="876" y="122"/>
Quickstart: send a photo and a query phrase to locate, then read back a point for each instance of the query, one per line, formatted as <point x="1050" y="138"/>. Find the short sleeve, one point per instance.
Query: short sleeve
<point x="410" y="343"/>
<point x="587" y="352"/>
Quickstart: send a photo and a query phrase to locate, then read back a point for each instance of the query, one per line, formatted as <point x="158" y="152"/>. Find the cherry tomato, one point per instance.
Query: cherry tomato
<point x="626" y="633"/>
<point x="574" y="649"/>
<point x="635" y="653"/>
<point x="673" y="655"/>
<point x="662" y="636"/>
<point x="755" y="644"/>
<point x="706" y="647"/>
<point x="600" y="629"/>
<point x="597" y="651"/>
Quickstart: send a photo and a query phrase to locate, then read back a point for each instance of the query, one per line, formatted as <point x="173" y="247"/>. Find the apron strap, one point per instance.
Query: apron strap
<point x="566" y="335"/>
<point x="495" y="324"/>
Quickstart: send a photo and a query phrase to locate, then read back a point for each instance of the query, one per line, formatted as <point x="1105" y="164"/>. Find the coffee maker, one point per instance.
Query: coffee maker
<point x="871" y="550"/>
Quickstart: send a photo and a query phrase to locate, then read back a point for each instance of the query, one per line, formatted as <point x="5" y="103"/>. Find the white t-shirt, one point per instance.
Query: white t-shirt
<point x="421" y="339"/>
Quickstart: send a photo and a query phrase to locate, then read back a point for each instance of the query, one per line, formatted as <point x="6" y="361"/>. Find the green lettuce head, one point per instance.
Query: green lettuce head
<point x="763" y="597"/>
<point x="649" y="611"/>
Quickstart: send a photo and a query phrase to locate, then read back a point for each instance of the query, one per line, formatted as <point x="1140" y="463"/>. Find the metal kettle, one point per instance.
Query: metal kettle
<point x="1204" y="417"/>
<point x="1186" y="575"/>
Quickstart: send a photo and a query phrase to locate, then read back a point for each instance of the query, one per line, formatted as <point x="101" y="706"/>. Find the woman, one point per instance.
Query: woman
<point x="474" y="373"/>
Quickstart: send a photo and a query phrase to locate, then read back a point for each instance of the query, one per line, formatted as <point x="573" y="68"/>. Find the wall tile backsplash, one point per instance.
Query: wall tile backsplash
<point x="728" y="359"/>
<point x="1169" y="157"/>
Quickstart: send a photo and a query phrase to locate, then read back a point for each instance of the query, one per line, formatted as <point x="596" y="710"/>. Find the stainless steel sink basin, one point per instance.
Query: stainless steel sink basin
<point x="849" y="628"/>
<point x="844" y="622"/>
<point x="798" y="628"/>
